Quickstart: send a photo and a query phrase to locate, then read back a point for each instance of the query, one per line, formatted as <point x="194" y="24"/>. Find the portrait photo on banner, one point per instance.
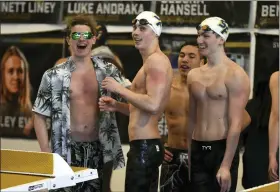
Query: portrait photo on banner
<point x="23" y="60"/>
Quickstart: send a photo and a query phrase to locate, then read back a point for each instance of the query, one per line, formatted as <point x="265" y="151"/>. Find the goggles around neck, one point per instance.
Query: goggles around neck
<point x="77" y="35"/>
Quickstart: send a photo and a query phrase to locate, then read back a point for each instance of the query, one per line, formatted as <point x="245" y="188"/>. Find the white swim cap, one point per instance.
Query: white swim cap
<point x="216" y="24"/>
<point x="153" y="21"/>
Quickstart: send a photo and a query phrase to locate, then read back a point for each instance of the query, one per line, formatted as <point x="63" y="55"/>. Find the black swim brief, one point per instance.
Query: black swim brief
<point x="143" y="160"/>
<point x="206" y="159"/>
<point x="174" y="174"/>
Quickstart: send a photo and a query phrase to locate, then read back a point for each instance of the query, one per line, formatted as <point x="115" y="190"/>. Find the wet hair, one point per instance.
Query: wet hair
<point x="81" y="20"/>
<point x="193" y="43"/>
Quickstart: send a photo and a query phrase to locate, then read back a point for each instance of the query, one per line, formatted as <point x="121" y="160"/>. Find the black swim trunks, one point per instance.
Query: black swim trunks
<point x="143" y="161"/>
<point x="174" y="174"/>
<point x="206" y="159"/>
<point x="86" y="154"/>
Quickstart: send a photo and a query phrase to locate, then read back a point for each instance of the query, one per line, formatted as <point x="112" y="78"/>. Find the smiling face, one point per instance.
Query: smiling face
<point x="14" y="74"/>
<point x="188" y="59"/>
<point x="81" y="41"/>
<point x="208" y="42"/>
<point x="142" y="36"/>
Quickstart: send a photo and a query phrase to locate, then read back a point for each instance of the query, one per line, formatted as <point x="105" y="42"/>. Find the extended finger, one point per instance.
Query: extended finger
<point x="218" y="176"/>
<point x="274" y="175"/>
<point x="108" y="79"/>
<point x="167" y="158"/>
<point x="106" y="99"/>
<point x="270" y="175"/>
<point x="229" y="185"/>
<point x="168" y="153"/>
<point x="101" y="100"/>
<point x="224" y="185"/>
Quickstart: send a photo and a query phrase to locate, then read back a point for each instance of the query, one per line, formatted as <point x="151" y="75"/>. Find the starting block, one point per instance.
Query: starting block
<point x="270" y="187"/>
<point x="36" y="171"/>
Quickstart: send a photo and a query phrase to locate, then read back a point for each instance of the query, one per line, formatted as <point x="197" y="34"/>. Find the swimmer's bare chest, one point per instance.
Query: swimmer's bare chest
<point x="209" y="87"/>
<point x="142" y="125"/>
<point x="83" y="106"/>
<point x="178" y="103"/>
<point x="210" y="92"/>
<point x="176" y="114"/>
<point x="138" y="86"/>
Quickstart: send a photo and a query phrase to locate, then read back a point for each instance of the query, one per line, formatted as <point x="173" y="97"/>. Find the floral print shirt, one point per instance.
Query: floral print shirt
<point x="53" y="100"/>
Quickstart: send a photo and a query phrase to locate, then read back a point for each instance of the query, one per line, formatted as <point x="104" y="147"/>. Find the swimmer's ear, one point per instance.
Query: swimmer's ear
<point x="222" y="41"/>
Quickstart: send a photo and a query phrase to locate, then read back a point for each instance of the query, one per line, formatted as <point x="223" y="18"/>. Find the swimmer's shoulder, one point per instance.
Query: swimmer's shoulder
<point x="236" y="75"/>
<point x="194" y="72"/>
<point x="234" y="69"/>
<point x="159" y="61"/>
<point x="274" y="76"/>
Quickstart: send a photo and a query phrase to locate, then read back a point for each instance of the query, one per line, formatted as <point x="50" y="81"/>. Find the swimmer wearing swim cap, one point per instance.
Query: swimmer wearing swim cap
<point x="215" y="24"/>
<point x="147" y="100"/>
<point x="219" y="92"/>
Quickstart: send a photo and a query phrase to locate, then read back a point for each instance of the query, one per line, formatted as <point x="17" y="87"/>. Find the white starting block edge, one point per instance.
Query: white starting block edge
<point x="49" y="183"/>
<point x="85" y="175"/>
<point x="260" y="187"/>
<point x="64" y="177"/>
<point x="34" y="186"/>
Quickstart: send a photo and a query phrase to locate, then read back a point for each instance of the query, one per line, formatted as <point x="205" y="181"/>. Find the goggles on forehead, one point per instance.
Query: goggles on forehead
<point x="77" y="35"/>
<point x="203" y="28"/>
<point x="141" y="22"/>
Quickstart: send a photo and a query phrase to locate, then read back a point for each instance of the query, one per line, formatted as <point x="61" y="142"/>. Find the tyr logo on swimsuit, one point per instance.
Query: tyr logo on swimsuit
<point x="157" y="148"/>
<point x="183" y="157"/>
<point x="206" y="148"/>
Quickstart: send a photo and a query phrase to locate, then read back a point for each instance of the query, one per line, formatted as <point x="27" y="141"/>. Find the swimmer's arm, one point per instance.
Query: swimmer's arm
<point x="40" y="126"/>
<point x="192" y="112"/>
<point x="246" y="120"/>
<point x="239" y="90"/>
<point x="192" y="119"/>
<point x="156" y="85"/>
<point x="122" y="108"/>
<point x="274" y="115"/>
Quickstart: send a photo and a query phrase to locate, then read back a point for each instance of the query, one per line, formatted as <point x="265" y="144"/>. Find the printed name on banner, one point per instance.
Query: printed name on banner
<point x="270" y="11"/>
<point x="183" y="8"/>
<point x="102" y="8"/>
<point x="27" y="7"/>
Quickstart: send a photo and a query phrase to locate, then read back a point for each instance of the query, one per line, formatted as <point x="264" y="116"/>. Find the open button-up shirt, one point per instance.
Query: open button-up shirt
<point x="53" y="100"/>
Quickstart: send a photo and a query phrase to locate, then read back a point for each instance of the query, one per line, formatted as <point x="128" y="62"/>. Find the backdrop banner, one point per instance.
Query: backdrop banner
<point x="30" y="12"/>
<point x="107" y="12"/>
<point x="191" y="13"/>
<point x="267" y="57"/>
<point x="24" y="59"/>
<point x="267" y="15"/>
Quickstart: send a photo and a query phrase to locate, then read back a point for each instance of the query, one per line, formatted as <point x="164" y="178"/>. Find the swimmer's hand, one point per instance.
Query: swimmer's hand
<point x="168" y="156"/>
<point x="273" y="170"/>
<point x="111" y="85"/>
<point x="107" y="104"/>
<point x="224" y="179"/>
